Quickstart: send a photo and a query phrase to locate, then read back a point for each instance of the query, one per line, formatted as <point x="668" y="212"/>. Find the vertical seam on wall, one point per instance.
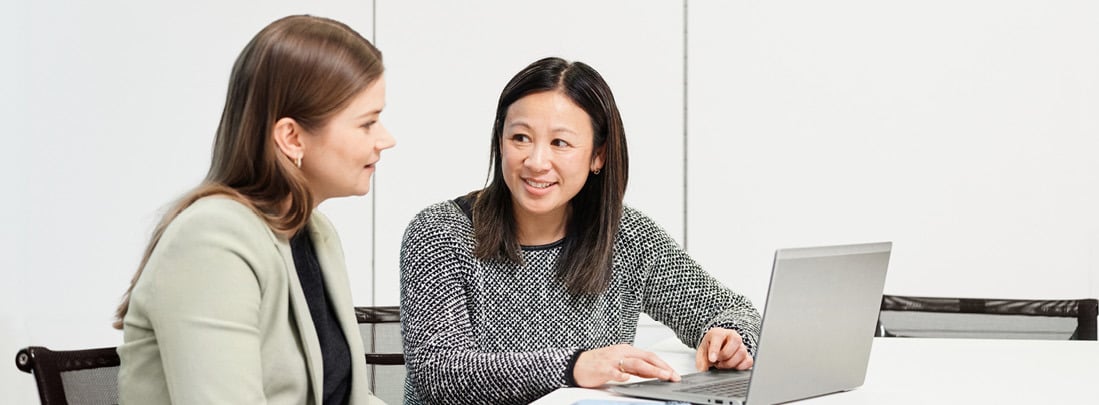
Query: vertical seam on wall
<point x="685" y="178"/>
<point x="374" y="193"/>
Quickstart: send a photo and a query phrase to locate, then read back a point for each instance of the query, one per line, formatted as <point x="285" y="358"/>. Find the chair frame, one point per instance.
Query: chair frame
<point x="371" y="315"/>
<point x="1084" y="310"/>
<point x="47" y="365"/>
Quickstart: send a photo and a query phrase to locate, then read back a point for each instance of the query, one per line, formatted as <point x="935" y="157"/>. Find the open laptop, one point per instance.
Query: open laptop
<point x="818" y="325"/>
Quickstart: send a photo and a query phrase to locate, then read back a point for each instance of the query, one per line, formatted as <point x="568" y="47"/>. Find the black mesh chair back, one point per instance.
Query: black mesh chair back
<point x="381" y="332"/>
<point x="904" y="316"/>
<point x="73" y="377"/>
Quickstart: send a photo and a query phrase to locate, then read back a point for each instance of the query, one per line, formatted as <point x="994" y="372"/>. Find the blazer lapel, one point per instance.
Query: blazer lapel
<point x="337" y="285"/>
<point x="304" y="321"/>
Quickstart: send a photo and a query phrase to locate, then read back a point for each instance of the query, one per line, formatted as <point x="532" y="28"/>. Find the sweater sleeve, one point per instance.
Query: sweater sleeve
<point x="680" y="294"/>
<point x="442" y="356"/>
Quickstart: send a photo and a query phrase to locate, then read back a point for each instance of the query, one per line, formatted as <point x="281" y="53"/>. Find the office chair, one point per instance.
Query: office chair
<point x="72" y="377"/>
<point x="904" y="316"/>
<point x="381" y="332"/>
<point x="90" y="377"/>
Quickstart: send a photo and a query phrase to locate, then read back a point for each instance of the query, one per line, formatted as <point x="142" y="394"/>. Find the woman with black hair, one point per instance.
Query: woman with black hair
<point x="536" y="282"/>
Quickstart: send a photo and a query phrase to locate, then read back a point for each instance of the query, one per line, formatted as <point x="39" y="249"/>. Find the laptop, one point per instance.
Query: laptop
<point x="818" y="324"/>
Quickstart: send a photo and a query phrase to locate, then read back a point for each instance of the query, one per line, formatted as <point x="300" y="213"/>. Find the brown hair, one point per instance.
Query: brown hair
<point x="303" y="67"/>
<point x="587" y="253"/>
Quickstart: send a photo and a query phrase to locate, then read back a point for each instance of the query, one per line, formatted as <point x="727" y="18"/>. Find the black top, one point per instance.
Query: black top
<point x="334" y="350"/>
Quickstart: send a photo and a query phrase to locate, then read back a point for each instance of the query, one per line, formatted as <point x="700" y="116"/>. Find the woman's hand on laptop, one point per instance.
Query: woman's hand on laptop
<point x="617" y="363"/>
<point x="722" y="348"/>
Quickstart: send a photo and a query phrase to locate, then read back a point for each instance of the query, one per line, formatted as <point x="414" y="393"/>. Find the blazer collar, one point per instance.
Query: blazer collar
<point x="330" y="257"/>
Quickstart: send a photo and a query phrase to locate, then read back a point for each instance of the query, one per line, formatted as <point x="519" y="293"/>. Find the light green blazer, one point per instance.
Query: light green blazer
<point x="218" y="315"/>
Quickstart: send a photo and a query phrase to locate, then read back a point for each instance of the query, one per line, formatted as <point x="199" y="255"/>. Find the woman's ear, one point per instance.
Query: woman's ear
<point x="597" y="159"/>
<point x="287" y="136"/>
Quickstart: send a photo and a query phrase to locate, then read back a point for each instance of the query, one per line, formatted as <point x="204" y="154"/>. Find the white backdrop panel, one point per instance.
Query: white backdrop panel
<point x="117" y="103"/>
<point x="964" y="131"/>
<point x="447" y="63"/>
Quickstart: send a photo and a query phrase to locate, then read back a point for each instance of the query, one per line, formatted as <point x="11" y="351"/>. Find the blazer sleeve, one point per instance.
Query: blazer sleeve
<point x="204" y="303"/>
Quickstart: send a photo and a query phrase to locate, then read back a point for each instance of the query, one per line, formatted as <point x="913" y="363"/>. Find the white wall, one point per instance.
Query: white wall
<point x="113" y="114"/>
<point x="14" y="388"/>
<point x="443" y="90"/>
<point x="963" y="131"/>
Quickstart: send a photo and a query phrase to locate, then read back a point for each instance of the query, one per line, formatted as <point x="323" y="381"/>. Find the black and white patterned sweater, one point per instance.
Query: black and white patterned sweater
<point x="499" y="332"/>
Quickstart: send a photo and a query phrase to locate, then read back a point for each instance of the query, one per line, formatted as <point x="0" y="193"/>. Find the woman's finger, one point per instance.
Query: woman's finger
<point x="620" y="376"/>
<point x="655" y="360"/>
<point x="732" y="345"/>
<point x="746" y="363"/>
<point x="739" y="361"/>
<point x="718" y="340"/>
<point x="702" y="363"/>
<point x="732" y="361"/>
<point x="649" y="365"/>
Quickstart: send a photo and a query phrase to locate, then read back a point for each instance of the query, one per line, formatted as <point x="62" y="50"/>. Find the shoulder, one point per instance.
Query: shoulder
<point x="435" y="238"/>
<point x="214" y="241"/>
<point x="637" y="229"/>
<point x="322" y="226"/>
<point x="218" y="209"/>
<point x="221" y="212"/>
<point x="439" y="229"/>
<point x="440" y="216"/>
<point x="444" y="210"/>
<point x="635" y="221"/>
<point x="219" y="218"/>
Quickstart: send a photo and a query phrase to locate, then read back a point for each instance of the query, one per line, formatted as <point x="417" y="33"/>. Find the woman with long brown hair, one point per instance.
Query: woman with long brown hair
<point x="242" y="296"/>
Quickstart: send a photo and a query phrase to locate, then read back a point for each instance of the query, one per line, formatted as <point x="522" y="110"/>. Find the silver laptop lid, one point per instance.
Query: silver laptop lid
<point x="818" y="324"/>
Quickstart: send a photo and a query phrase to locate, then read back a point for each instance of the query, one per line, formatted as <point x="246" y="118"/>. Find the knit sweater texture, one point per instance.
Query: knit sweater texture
<point x="500" y="332"/>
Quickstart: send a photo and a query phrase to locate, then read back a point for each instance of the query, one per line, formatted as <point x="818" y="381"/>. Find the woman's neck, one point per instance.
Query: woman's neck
<point x="540" y="229"/>
<point x="284" y="208"/>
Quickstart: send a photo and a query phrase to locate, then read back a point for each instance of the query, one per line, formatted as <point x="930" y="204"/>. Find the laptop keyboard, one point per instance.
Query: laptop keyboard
<point x="735" y="388"/>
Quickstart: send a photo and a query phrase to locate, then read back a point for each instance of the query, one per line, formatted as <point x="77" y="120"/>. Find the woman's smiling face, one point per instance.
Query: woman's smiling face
<point x="547" y="152"/>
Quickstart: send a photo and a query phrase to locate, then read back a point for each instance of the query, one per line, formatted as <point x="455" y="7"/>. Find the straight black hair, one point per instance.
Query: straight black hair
<point x="587" y="252"/>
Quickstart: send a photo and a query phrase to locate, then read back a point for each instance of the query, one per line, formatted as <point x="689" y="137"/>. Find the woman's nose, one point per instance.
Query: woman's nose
<point x="539" y="158"/>
<point x="386" y="140"/>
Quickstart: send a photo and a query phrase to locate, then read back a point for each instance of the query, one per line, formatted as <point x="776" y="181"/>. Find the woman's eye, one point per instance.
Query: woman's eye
<point x="520" y="138"/>
<point x="370" y="124"/>
<point x="560" y="143"/>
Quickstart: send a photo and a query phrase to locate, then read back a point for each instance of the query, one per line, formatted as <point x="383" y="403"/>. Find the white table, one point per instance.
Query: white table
<point x="941" y="371"/>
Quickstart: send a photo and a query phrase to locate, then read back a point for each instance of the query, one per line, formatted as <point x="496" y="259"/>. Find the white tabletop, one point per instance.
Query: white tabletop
<point x="918" y="371"/>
